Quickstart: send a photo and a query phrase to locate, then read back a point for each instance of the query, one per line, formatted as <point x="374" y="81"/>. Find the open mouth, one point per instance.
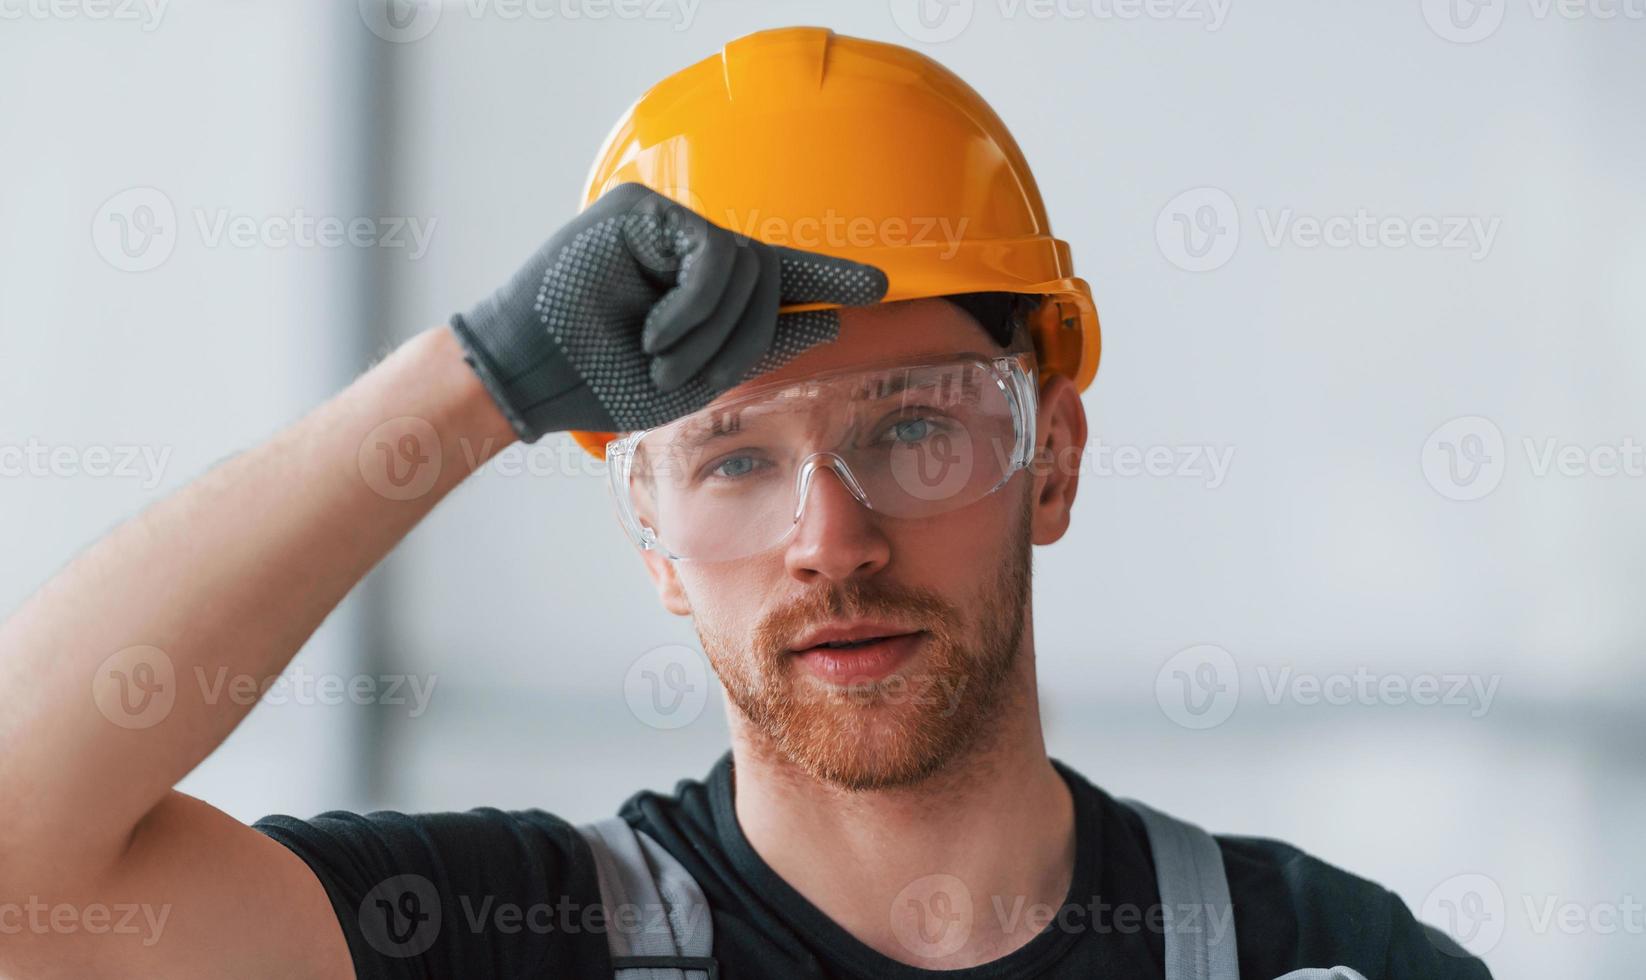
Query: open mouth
<point x="855" y="644"/>
<point x="860" y="659"/>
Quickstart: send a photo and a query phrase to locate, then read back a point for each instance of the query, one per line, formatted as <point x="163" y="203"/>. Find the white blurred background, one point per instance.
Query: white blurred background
<point x="1471" y="173"/>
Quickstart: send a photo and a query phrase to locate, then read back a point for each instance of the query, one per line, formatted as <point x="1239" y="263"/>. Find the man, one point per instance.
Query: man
<point x="834" y="459"/>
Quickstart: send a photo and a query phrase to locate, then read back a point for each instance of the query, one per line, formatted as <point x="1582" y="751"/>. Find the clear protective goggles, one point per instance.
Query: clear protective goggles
<point x="906" y="439"/>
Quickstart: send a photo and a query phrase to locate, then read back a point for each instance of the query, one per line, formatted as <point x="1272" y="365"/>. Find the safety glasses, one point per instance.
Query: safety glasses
<point x="906" y="439"/>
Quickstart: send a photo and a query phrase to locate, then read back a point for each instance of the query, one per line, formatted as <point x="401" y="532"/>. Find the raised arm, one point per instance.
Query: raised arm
<point x="103" y="713"/>
<point x="635" y="312"/>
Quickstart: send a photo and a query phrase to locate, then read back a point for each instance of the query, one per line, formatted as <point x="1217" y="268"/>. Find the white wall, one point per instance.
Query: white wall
<point x="181" y="350"/>
<point x="1325" y="370"/>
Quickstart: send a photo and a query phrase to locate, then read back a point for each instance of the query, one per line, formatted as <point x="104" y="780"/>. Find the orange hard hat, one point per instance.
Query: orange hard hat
<point x="862" y="150"/>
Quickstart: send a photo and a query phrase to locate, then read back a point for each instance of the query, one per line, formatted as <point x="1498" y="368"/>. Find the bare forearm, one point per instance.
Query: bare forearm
<point x="225" y="579"/>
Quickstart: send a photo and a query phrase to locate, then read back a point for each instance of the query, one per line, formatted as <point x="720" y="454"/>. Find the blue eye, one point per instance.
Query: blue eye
<point x="735" y="466"/>
<point x="911" y="430"/>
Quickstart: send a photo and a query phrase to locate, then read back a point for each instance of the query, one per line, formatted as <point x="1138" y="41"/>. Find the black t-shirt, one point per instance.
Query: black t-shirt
<point x="488" y="894"/>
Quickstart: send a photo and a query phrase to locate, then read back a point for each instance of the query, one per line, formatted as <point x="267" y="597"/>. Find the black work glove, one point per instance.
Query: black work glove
<point x="640" y="311"/>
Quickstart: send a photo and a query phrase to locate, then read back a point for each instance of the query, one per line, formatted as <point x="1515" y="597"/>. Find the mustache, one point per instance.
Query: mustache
<point x="910" y="607"/>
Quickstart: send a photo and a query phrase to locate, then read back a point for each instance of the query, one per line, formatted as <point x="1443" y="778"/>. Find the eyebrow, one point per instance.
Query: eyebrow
<point x="721" y="424"/>
<point x="948" y="384"/>
<point x="727" y="422"/>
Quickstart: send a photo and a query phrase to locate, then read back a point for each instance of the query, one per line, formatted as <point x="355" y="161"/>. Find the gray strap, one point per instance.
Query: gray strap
<point x="656" y="914"/>
<point x="1194" y="895"/>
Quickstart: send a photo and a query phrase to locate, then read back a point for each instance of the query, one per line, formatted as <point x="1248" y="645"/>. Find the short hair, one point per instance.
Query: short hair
<point x="1005" y="317"/>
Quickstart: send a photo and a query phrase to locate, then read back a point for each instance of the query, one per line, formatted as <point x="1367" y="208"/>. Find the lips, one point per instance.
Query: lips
<point x="856" y="653"/>
<point x="848" y="636"/>
<point x="850" y="644"/>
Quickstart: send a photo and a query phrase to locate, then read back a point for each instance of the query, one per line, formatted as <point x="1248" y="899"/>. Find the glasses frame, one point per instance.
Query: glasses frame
<point x="1013" y="374"/>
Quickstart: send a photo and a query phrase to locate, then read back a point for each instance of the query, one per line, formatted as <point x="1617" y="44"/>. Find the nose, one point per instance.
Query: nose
<point x="838" y="537"/>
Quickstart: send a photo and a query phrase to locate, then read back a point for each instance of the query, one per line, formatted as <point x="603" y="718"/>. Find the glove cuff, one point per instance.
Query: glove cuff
<point x="486" y="369"/>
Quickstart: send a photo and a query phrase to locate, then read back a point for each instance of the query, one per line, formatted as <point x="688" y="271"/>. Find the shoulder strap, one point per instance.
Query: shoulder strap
<point x="1194" y="895"/>
<point x="658" y="925"/>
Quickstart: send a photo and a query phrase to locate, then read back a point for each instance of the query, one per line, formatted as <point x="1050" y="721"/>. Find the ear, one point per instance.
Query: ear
<point x="664" y="578"/>
<point x="1060" y="434"/>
